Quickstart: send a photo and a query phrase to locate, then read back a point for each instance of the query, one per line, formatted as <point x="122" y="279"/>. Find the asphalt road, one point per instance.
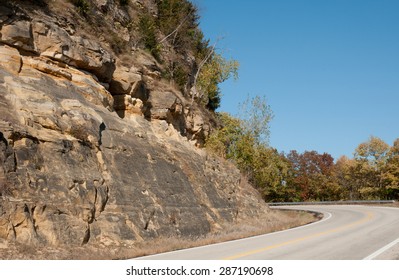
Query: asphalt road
<point x="344" y="233"/>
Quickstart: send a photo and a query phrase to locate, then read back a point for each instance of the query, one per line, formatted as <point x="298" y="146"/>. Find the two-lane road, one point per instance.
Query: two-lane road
<point x="344" y="233"/>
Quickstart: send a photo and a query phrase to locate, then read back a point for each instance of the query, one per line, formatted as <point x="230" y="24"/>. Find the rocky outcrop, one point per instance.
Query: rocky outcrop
<point x="135" y="89"/>
<point x="49" y="40"/>
<point x="99" y="153"/>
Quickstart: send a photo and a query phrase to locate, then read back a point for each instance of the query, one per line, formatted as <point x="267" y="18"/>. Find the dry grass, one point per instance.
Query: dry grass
<point x="274" y="220"/>
<point x="18" y="251"/>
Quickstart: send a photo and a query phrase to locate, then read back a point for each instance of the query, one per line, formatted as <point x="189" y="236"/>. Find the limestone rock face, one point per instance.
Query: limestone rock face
<point x="10" y="58"/>
<point x="94" y="152"/>
<point x="54" y="42"/>
<point x="18" y="34"/>
<point x="49" y="40"/>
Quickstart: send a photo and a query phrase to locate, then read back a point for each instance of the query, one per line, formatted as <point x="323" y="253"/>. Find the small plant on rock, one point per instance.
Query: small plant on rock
<point x="82" y="6"/>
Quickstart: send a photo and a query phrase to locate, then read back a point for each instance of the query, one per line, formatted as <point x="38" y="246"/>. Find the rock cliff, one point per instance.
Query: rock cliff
<point x="96" y="150"/>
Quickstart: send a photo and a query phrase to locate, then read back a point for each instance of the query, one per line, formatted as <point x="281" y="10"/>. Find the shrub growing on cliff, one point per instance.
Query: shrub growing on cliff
<point x="215" y="71"/>
<point x="147" y="30"/>
<point x="82" y="6"/>
<point x="178" y="21"/>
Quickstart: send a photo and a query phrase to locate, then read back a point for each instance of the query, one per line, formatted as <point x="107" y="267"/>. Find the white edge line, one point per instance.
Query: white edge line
<point x="329" y="215"/>
<point x="382" y="250"/>
<point x="386" y="247"/>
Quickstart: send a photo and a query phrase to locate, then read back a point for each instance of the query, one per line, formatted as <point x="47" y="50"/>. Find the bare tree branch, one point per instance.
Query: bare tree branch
<point x="202" y="63"/>
<point x="177" y="29"/>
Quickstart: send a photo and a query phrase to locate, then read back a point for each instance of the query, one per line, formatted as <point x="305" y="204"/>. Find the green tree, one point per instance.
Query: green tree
<point x="270" y="172"/>
<point x="178" y="20"/>
<point x="211" y="72"/>
<point x="231" y="141"/>
<point x="147" y="30"/>
<point x="223" y="141"/>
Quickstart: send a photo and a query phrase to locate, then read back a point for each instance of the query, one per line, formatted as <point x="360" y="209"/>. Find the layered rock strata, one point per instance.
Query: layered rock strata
<point x="95" y="152"/>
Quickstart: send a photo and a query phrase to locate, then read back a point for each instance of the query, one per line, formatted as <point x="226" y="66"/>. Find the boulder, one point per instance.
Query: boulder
<point x="163" y="104"/>
<point x="18" y="34"/>
<point x="126" y="81"/>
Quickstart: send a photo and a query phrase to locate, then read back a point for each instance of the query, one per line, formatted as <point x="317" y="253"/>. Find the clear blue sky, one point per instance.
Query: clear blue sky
<point x="328" y="68"/>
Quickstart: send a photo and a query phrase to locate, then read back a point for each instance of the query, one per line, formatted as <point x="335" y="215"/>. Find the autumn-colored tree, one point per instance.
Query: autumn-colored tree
<point x="373" y="173"/>
<point x="390" y="172"/>
<point x="375" y="151"/>
<point x="371" y="158"/>
<point x="344" y="176"/>
<point x="312" y="176"/>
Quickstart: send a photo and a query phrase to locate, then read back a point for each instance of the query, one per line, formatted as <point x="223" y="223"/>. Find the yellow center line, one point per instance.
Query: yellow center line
<point x="368" y="217"/>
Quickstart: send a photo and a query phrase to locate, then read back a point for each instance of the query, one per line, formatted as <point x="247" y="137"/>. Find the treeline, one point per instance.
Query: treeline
<point x="373" y="172"/>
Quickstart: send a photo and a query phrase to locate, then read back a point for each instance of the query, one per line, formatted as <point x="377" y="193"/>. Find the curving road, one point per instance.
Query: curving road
<point x="344" y="233"/>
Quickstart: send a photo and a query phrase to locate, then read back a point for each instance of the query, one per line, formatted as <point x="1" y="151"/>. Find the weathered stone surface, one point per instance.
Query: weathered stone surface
<point x="75" y="171"/>
<point x="10" y="58"/>
<point x="53" y="42"/>
<point x="127" y="105"/>
<point x="18" y="34"/>
<point x="162" y="104"/>
<point x="80" y="174"/>
<point x="125" y="81"/>
<point x="50" y="40"/>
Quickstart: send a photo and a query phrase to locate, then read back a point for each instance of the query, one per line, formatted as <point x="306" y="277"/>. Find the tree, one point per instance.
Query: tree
<point x="232" y="141"/>
<point x="270" y="172"/>
<point x="344" y="173"/>
<point x="212" y="71"/>
<point x="173" y="37"/>
<point x="223" y="141"/>
<point x="245" y="141"/>
<point x="178" y="19"/>
<point x="256" y="115"/>
<point x="390" y="173"/>
<point x="147" y="29"/>
<point x="371" y="159"/>
<point x="375" y="151"/>
<point x="312" y="176"/>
